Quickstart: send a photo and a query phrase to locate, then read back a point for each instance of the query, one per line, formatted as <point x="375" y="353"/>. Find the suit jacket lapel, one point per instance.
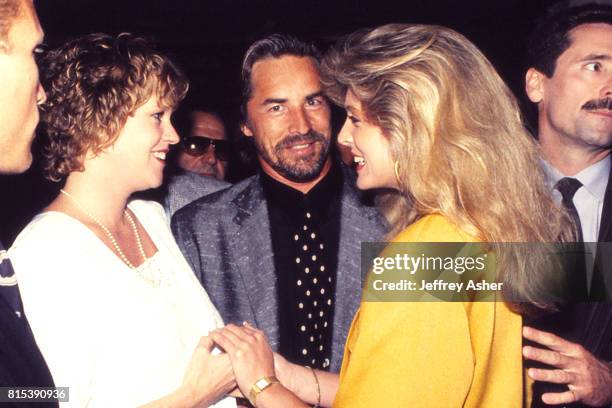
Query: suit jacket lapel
<point x="605" y="227"/>
<point x="602" y="278"/>
<point x="255" y="261"/>
<point x="598" y="315"/>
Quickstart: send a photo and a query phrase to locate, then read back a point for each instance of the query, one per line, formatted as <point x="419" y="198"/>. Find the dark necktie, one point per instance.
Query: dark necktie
<point x="568" y="186"/>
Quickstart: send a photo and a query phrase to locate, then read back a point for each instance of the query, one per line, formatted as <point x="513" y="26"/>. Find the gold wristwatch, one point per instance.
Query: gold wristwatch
<point x="259" y="386"/>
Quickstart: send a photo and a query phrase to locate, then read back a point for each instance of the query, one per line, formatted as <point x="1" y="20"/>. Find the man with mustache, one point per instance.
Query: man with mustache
<point x="282" y="248"/>
<point x="570" y="79"/>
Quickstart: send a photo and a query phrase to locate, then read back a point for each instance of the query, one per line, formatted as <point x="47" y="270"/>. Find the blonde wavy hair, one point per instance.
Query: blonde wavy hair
<point x="456" y="132"/>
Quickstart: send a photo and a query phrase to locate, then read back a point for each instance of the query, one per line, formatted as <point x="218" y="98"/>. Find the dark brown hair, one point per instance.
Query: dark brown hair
<point x="272" y="46"/>
<point x="551" y="36"/>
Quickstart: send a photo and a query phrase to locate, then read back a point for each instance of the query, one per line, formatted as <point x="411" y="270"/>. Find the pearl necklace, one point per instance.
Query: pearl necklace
<point x="110" y="235"/>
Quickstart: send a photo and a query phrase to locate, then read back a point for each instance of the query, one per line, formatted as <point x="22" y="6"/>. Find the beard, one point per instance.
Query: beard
<point x="297" y="168"/>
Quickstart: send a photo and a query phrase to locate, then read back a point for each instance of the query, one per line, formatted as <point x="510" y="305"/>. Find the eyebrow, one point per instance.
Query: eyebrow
<point x="596" y="57"/>
<point x="274" y="100"/>
<point x="283" y="100"/>
<point x="314" y="95"/>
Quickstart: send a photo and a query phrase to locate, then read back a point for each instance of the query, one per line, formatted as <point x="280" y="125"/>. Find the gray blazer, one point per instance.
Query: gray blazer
<point x="225" y="237"/>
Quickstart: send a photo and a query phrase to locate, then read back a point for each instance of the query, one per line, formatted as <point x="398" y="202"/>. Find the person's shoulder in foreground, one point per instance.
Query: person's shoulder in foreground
<point x="468" y="356"/>
<point x="187" y="187"/>
<point x="433" y="228"/>
<point x="216" y="201"/>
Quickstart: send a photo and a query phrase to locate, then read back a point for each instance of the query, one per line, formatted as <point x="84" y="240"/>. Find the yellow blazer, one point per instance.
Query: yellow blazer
<point x="432" y="354"/>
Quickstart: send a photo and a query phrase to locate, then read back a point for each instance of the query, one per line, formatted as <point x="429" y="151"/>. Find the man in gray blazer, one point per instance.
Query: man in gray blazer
<point x="281" y="249"/>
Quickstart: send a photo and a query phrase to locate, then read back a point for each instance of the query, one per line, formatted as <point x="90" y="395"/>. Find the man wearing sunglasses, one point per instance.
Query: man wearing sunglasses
<point x="204" y="156"/>
<point x="206" y="151"/>
<point x="281" y="249"/>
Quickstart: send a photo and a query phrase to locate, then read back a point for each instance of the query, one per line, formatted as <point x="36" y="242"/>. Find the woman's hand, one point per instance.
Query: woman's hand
<point x="208" y="376"/>
<point x="286" y="372"/>
<point x="249" y="352"/>
<point x="312" y="386"/>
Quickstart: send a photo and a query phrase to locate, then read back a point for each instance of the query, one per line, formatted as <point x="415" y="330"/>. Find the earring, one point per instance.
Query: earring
<point x="397" y="173"/>
<point x="41" y="96"/>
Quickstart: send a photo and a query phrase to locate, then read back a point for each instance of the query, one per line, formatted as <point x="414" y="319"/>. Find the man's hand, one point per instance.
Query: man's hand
<point x="589" y="380"/>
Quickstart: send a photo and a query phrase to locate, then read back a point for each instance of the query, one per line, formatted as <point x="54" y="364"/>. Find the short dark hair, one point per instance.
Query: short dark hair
<point x="272" y="46"/>
<point x="551" y="36"/>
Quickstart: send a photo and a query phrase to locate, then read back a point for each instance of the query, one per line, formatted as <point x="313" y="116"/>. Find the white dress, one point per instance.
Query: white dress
<point x="117" y="337"/>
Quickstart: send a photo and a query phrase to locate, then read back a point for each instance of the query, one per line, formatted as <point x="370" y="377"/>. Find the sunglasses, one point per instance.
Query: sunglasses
<point x="199" y="145"/>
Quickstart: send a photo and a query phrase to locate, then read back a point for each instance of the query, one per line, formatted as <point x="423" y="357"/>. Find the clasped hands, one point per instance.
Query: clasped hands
<point x="247" y="358"/>
<point x="249" y="352"/>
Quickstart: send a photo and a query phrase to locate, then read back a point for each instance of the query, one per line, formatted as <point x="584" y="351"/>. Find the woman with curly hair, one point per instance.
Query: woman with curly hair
<point x="113" y="305"/>
<point x="429" y="118"/>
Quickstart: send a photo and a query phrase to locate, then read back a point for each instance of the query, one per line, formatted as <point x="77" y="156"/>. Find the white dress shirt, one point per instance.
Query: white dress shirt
<point x="588" y="200"/>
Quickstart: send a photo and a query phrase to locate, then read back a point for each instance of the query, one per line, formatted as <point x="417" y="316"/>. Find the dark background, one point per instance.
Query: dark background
<point x="208" y="38"/>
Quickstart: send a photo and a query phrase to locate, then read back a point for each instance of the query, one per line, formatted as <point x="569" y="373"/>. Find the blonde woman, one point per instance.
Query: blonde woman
<point x="428" y="117"/>
<point x="114" y="307"/>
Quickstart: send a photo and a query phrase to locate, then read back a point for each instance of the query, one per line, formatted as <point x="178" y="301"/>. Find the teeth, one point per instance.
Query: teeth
<point x="359" y="160"/>
<point x="302" y="146"/>
<point x="160" y="155"/>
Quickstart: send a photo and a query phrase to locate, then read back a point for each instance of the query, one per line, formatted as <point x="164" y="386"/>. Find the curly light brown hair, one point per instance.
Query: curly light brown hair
<point x="93" y="84"/>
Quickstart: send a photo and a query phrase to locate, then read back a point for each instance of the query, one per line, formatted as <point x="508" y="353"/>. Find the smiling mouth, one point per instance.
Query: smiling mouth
<point x="602" y="112"/>
<point x="299" y="147"/>
<point x="160" y="155"/>
<point x="359" y="162"/>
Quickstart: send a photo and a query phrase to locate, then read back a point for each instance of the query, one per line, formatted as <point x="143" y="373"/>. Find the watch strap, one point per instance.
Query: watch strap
<point x="261" y="385"/>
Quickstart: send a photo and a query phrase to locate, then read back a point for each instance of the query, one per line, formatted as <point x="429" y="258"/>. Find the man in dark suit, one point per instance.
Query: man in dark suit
<point x="570" y="79"/>
<point x="281" y="249"/>
<point x="21" y="364"/>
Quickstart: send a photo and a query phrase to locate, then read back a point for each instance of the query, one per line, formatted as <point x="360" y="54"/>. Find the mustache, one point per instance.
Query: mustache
<point x="605" y="103"/>
<point x="310" y="137"/>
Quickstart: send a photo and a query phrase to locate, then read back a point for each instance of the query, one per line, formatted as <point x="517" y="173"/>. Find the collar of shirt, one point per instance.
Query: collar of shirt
<point x="320" y="200"/>
<point x="594" y="178"/>
<point x="7" y="275"/>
